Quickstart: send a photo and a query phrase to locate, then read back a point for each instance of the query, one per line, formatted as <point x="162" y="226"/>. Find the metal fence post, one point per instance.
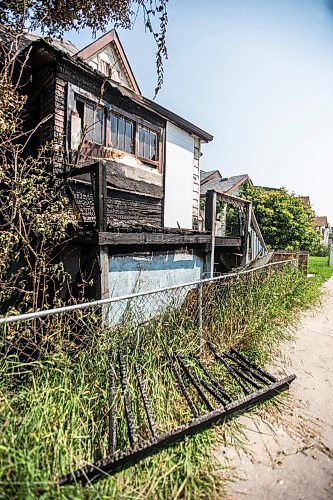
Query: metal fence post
<point x="200" y="315"/>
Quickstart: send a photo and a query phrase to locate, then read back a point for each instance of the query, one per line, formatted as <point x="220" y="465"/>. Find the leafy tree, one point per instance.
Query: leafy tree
<point x="284" y="219"/>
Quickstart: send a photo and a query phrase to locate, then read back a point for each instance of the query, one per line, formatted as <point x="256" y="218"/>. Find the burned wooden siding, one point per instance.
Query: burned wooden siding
<point x="135" y="190"/>
<point x="39" y="85"/>
<point x="123" y="207"/>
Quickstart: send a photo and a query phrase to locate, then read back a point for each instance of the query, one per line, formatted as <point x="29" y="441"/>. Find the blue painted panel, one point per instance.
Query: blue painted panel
<point x="133" y="274"/>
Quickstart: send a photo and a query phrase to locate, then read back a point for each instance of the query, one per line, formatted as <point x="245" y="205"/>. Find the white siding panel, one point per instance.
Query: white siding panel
<point x="179" y="155"/>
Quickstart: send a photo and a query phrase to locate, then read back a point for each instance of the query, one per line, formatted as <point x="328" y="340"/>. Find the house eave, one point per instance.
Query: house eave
<point x="130" y="94"/>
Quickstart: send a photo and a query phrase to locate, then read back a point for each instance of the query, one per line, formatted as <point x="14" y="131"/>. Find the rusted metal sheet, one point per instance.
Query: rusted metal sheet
<point x="199" y="389"/>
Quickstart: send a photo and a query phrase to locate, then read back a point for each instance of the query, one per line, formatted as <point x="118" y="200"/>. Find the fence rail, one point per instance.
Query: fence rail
<point x="101" y="302"/>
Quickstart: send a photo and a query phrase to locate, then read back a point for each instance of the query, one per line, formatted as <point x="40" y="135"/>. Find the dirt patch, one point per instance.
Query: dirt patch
<point x="289" y="454"/>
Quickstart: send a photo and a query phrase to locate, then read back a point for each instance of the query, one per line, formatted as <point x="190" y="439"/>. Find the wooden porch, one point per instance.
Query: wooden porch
<point x="241" y="246"/>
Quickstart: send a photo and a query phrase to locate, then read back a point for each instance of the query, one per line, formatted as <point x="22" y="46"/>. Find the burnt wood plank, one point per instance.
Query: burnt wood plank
<point x="130" y="179"/>
<point x="101" y="195"/>
<point x="142" y="238"/>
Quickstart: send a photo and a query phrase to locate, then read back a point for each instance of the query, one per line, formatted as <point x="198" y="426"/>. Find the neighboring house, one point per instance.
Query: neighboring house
<point x="267" y="188"/>
<point x="306" y="200"/>
<point x="228" y="185"/>
<point x="322" y="226"/>
<point x="234" y="216"/>
<point x="134" y="185"/>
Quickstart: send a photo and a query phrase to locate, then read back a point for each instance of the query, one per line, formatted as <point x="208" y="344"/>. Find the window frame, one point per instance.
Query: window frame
<point x="87" y="98"/>
<point x="137" y="121"/>
<point x="95" y="105"/>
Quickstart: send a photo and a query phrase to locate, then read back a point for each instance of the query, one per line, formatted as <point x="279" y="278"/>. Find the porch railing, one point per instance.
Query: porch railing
<point x="253" y="243"/>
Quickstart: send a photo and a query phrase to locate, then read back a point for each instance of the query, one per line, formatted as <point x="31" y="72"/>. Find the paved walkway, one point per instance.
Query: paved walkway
<point x="292" y="458"/>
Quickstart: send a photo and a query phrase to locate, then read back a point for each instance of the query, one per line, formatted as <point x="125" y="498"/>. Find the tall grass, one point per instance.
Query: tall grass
<point x="54" y="405"/>
<point x="320" y="268"/>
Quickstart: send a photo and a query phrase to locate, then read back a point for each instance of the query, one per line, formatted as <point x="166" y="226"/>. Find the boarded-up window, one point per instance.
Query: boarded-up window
<point x="122" y="133"/>
<point x="147" y="144"/>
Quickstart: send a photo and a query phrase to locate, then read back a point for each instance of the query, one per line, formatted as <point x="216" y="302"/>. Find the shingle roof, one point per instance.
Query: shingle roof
<point x="305" y="200"/>
<point x="66" y="47"/>
<point x="223" y="185"/>
<point x="205" y="175"/>
<point x="28" y="38"/>
<point x="267" y="188"/>
<point x="321" y="221"/>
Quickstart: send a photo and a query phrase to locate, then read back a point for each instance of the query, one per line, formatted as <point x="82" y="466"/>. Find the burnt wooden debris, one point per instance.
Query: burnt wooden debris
<point x="199" y="389"/>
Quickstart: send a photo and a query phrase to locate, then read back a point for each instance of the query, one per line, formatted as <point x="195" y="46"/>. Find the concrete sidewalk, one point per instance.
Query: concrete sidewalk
<point x="293" y="458"/>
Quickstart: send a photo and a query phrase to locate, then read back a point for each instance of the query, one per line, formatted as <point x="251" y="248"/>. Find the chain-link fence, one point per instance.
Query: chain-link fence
<point x="195" y="310"/>
<point x="55" y="363"/>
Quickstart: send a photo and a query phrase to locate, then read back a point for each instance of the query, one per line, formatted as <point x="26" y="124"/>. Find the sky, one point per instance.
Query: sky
<point x="258" y="75"/>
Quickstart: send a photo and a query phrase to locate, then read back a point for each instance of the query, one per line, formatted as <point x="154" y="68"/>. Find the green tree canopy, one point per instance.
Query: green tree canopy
<point x="284" y="219"/>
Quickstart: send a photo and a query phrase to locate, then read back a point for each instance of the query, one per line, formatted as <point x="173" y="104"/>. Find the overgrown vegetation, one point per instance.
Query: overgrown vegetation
<point x="320" y="268"/>
<point x="34" y="218"/>
<point x="285" y="221"/>
<point x="54" y="405"/>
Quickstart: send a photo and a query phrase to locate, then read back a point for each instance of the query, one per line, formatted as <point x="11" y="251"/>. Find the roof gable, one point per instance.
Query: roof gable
<point x="107" y="55"/>
<point x="321" y="221"/>
<point x="223" y="185"/>
<point x="207" y="176"/>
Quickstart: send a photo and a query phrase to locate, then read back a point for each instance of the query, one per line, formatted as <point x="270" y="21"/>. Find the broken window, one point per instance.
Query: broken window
<point x="94" y="123"/>
<point x="122" y="133"/>
<point x="147" y="144"/>
<point x="114" y="128"/>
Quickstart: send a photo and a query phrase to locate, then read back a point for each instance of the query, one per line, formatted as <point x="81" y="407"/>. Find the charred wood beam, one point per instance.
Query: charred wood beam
<point x="101" y="196"/>
<point x="210" y="211"/>
<point x="230" y="369"/>
<point x="77" y="171"/>
<point x="225" y="397"/>
<point x="112" y="406"/>
<point x="127" y="400"/>
<point x="181" y="385"/>
<point x="123" y="459"/>
<point x="142" y="238"/>
<point x="195" y="382"/>
<point x="252" y="365"/>
<point x="145" y="400"/>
